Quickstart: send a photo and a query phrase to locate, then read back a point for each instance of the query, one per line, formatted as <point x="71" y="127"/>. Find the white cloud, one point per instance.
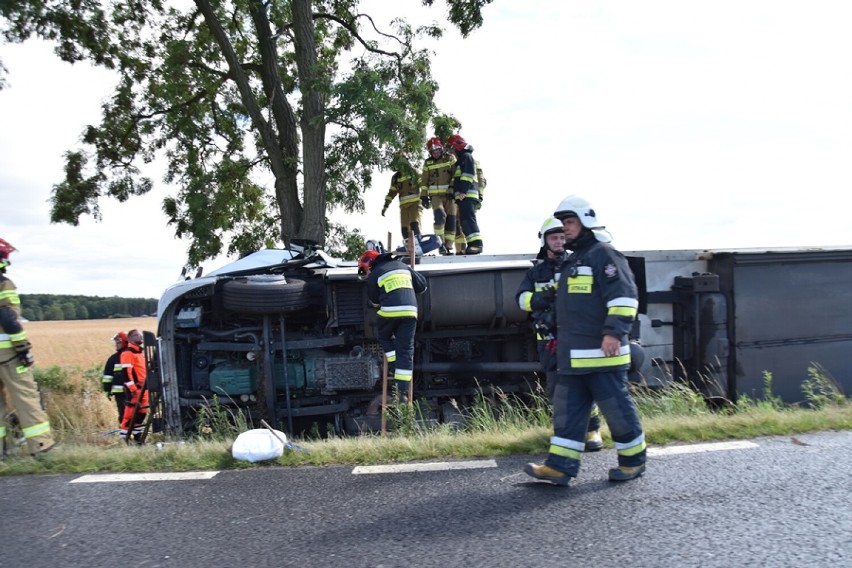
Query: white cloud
<point x="690" y="124"/>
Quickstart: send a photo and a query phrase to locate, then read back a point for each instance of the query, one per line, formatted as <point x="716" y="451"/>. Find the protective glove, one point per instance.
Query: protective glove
<point x="131" y="388"/>
<point x="459" y="196"/>
<point x="425" y="202"/>
<point x="479" y="204"/>
<point x="384" y="210"/>
<point x="26" y="358"/>
<point x="543" y="300"/>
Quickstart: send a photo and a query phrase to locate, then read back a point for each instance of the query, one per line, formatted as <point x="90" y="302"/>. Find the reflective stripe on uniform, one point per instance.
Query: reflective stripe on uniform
<point x="36" y="430"/>
<point x="585" y="358"/>
<point x="2" y="431"/>
<point x="402" y="374"/>
<point x="391" y="356"/>
<point x="11" y="295"/>
<point x="398" y="312"/>
<point x="627" y="307"/>
<point x="632" y="447"/>
<point x="566" y="448"/>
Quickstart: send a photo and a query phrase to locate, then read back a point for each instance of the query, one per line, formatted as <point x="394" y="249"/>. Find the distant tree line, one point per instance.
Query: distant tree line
<point x="57" y="307"/>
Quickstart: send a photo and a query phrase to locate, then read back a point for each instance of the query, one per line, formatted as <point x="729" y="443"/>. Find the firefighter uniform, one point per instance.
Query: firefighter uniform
<point x="466" y="192"/>
<point x="403" y="184"/>
<point x="134" y="370"/>
<point x="461" y="241"/>
<point x="537" y="295"/>
<point x="16" y="379"/>
<point x="393" y="287"/>
<point x="435" y="185"/>
<point x="596" y="296"/>
<point x="114" y="378"/>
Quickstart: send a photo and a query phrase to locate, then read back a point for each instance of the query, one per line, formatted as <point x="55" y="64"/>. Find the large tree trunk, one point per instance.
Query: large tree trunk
<point x="312" y="122"/>
<point x="284" y="156"/>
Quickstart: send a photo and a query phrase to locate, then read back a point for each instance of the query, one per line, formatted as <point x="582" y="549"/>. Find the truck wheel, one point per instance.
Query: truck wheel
<point x="264" y="294"/>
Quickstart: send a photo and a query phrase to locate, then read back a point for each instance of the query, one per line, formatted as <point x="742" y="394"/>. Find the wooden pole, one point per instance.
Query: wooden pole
<point x="412" y="259"/>
<point x="384" y="394"/>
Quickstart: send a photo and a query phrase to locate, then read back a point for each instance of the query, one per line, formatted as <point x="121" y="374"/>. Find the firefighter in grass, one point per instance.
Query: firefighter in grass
<point x="596" y="305"/>
<point x="114" y="378"/>
<point x="466" y="192"/>
<point x="404" y="184"/>
<point x="537" y="294"/>
<point x="136" y="395"/>
<point x="393" y="287"/>
<point x="17" y="384"/>
<point x="435" y="191"/>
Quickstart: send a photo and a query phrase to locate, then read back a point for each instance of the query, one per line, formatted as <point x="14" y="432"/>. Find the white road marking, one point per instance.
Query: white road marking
<point x="433" y="466"/>
<point x="698" y="448"/>
<point x="166" y="476"/>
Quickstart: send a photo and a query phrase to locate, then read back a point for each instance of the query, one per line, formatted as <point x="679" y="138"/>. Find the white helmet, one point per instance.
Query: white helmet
<point x="574" y="206"/>
<point x="550" y="225"/>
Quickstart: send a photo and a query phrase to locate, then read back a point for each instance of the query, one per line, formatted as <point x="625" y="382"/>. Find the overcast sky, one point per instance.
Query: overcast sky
<point x="724" y="124"/>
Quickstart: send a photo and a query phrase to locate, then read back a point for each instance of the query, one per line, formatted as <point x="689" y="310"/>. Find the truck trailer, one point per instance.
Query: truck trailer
<point x="289" y="336"/>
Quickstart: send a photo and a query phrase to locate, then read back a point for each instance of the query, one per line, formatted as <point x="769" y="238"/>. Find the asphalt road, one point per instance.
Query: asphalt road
<point x="777" y="501"/>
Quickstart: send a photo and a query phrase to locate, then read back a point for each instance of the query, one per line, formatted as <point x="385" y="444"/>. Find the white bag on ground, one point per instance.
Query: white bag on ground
<point x="258" y="445"/>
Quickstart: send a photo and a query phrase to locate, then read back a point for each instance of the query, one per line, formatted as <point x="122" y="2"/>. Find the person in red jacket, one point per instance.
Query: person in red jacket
<point x="136" y="397"/>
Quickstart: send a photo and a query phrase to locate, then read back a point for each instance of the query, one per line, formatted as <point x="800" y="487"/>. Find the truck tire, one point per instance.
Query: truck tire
<point x="264" y="294"/>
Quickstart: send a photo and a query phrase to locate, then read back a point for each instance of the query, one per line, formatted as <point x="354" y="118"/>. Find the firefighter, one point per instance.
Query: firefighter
<point x="596" y="304"/>
<point x="403" y="184"/>
<point x="136" y="395"/>
<point x="537" y="294"/>
<point x="114" y="378"/>
<point x="466" y="192"/>
<point x="393" y="287"/>
<point x="461" y="242"/>
<point x="16" y="378"/>
<point x="435" y="192"/>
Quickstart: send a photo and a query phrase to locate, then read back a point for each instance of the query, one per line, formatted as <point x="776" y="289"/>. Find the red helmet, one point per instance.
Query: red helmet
<point x="5" y="250"/>
<point x="365" y="261"/>
<point x="434" y="144"/>
<point x="457" y="142"/>
<point x="122" y="337"/>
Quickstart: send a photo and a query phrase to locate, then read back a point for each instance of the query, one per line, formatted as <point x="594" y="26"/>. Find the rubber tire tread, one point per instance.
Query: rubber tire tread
<point x="264" y="297"/>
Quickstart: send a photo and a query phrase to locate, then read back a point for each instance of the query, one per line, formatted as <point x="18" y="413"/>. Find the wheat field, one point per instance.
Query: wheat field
<point x="79" y="343"/>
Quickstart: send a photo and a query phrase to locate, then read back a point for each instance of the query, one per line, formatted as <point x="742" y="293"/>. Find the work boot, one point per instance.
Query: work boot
<point x="594" y="442"/>
<point x="398" y="392"/>
<point x="44" y="448"/>
<point x="624" y="473"/>
<point x="473" y="249"/>
<point x="547" y="473"/>
<point x="445" y="251"/>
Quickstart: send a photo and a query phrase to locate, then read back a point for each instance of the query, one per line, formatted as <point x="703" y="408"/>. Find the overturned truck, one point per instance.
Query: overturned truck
<point x="289" y="336"/>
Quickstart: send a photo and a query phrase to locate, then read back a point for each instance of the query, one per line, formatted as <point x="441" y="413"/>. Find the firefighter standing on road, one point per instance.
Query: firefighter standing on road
<point x="136" y="397"/>
<point x="434" y="190"/>
<point x="466" y="192"/>
<point x="393" y="287"/>
<point x="114" y="378"/>
<point x="404" y="184"/>
<point x="16" y="379"/>
<point x="537" y="294"/>
<point x="596" y="304"/>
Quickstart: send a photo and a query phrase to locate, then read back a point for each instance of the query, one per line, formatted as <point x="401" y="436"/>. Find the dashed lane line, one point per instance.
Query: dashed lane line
<point x="165" y="476"/>
<point x="432" y="466"/>
<point x="698" y="448"/>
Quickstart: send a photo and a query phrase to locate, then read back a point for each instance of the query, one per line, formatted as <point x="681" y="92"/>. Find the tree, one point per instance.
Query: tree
<point x="308" y="95"/>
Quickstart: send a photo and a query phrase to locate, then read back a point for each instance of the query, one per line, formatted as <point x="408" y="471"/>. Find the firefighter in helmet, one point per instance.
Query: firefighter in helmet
<point x="114" y="378"/>
<point x="435" y="181"/>
<point x="537" y="294"/>
<point x="404" y="184"/>
<point x="17" y="384"/>
<point x="596" y="304"/>
<point x="393" y="287"/>
<point x="465" y="190"/>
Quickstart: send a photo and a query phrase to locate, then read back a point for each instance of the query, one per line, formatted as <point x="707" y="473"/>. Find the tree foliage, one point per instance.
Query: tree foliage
<point x="52" y="307"/>
<point x="267" y="113"/>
